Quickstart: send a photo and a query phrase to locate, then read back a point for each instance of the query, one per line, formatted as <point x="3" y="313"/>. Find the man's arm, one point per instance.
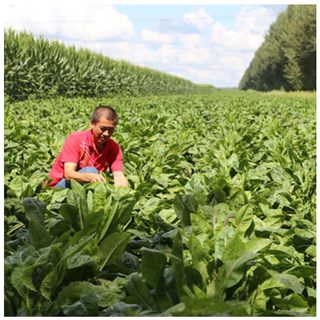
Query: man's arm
<point x="71" y="173"/>
<point x="120" y="179"/>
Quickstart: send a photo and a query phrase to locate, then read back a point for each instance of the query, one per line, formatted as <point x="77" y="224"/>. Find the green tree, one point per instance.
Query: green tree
<point x="287" y="57"/>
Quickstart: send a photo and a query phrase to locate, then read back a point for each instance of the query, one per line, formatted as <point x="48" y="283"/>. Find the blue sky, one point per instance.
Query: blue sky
<point x="205" y="43"/>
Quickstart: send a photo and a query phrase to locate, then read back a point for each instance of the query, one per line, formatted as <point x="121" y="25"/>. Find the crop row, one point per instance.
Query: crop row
<point x="36" y="67"/>
<point x="219" y="219"/>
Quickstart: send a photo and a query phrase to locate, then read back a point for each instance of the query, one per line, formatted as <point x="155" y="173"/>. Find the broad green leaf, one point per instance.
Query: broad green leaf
<point x="312" y="292"/>
<point x="124" y="211"/>
<point x="112" y="247"/>
<point x="162" y="180"/>
<point x="138" y="289"/>
<point x="222" y="239"/>
<point x="57" y="227"/>
<point x="305" y="234"/>
<point x="196" y="187"/>
<point x="72" y="215"/>
<point x="243" y="219"/>
<point x="79" y="308"/>
<point x="271" y="284"/>
<point x="183" y="206"/>
<point x="177" y="263"/>
<point x="234" y="248"/>
<point x="196" y="249"/>
<point x="39" y="235"/>
<point x="152" y="265"/>
<point x="200" y="254"/>
<point x="233" y="271"/>
<point x="78" y="260"/>
<point x="90" y="202"/>
<point x="201" y="226"/>
<point x="288" y="280"/>
<point x="60" y="195"/>
<point x="294" y="302"/>
<point x="259" y="301"/>
<point x="122" y="309"/>
<point x="233" y="161"/>
<point x="257" y="244"/>
<point x="211" y="308"/>
<point x="75" y="248"/>
<point x="108" y="217"/>
<point x="174" y="310"/>
<point x="281" y="251"/>
<point x="49" y="283"/>
<point x="35" y="209"/>
<point x="20" y="188"/>
<point x="81" y="201"/>
<point x="303" y="271"/>
<point x="84" y="298"/>
<point x="76" y="186"/>
<point x="168" y="215"/>
<point x="21" y="279"/>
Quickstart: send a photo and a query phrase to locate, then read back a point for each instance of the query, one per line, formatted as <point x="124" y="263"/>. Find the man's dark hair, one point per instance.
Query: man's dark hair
<point x="106" y="112"/>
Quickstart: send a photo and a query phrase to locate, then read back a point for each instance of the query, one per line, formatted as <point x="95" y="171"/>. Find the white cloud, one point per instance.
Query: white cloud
<point x="235" y="40"/>
<point x="250" y="29"/>
<point x="133" y="52"/>
<point x="83" y="20"/>
<point x="234" y="47"/>
<point x="188" y="57"/>
<point x="167" y="54"/>
<point x="177" y="48"/>
<point x="213" y="74"/>
<point x="197" y="56"/>
<point x="156" y="37"/>
<point x="161" y="58"/>
<point x="203" y="75"/>
<point x="199" y="19"/>
<point x="190" y="40"/>
<point x="254" y="21"/>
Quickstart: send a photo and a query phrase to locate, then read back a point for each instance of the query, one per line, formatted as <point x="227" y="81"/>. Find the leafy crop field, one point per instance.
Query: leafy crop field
<point x="219" y="219"/>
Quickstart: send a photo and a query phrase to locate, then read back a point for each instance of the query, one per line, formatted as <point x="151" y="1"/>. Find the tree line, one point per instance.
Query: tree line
<point x="286" y="60"/>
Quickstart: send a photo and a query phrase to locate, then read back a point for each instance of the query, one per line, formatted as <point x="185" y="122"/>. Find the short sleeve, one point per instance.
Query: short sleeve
<point x="117" y="164"/>
<point x="71" y="150"/>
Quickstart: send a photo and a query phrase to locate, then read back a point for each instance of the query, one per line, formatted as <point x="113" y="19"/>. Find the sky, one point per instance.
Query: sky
<point x="205" y="43"/>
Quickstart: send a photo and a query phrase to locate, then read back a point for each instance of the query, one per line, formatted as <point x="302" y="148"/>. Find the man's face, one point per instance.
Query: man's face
<point x="102" y="130"/>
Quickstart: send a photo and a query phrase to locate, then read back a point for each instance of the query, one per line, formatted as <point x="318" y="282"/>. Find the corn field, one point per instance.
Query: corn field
<point x="39" y="68"/>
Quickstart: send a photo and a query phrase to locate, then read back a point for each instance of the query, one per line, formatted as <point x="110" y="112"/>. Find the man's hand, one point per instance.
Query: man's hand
<point x="91" y="177"/>
<point x="120" y="179"/>
<point x="71" y="173"/>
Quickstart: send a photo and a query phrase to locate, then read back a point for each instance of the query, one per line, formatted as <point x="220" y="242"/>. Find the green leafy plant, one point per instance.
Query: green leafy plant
<point x="219" y="218"/>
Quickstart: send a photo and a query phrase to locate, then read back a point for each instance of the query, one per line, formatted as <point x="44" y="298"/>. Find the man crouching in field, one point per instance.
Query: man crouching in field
<point x="87" y="153"/>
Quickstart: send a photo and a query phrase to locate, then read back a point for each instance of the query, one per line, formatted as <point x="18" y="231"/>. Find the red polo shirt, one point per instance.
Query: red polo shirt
<point x="79" y="148"/>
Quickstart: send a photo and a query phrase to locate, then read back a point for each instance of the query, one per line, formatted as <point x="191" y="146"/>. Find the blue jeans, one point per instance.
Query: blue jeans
<point x="66" y="184"/>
